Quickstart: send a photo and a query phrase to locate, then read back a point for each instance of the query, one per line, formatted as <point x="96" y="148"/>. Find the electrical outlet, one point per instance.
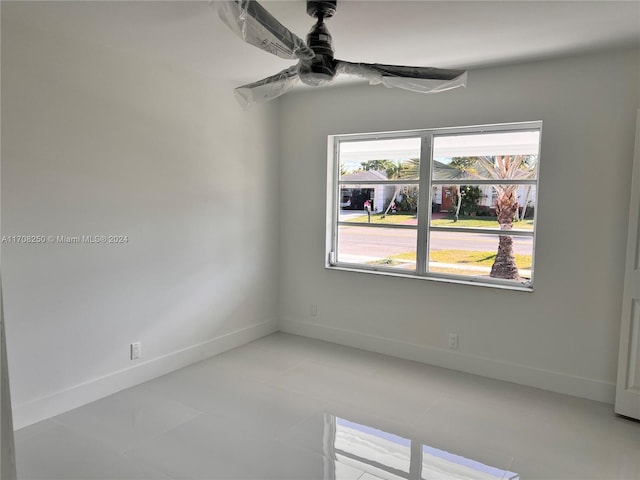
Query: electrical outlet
<point x="313" y="309"/>
<point x="453" y="340"/>
<point x="136" y="350"/>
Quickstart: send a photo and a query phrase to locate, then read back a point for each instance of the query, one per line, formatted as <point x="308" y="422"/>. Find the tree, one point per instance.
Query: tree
<point x="526" y="202"/>
<point x="389" y="166"/>
<point x="408" y="170"/>
<point x="467" y="200"/>
<point x="466" y="164"/>
<point x="455" y="192"/>
<point x="507" y="167"/>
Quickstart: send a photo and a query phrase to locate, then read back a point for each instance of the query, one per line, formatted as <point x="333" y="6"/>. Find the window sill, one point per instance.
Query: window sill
<point x="434" y="278"/>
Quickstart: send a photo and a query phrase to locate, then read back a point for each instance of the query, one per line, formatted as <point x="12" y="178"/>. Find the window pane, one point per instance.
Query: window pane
<point x="382" y="247"/>
<point x="385" y="204"/>
<point x="374" y="160"/>
<point x="473" y="255"/>
<point x="477" y="205"/>
<point x="486" y="156"/>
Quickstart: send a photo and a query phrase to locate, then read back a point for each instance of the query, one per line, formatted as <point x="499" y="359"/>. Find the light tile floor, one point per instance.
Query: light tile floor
<point x="288" y="407"/>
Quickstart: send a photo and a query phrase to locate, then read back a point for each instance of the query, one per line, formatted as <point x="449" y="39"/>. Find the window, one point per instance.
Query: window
<point x="454" y="204"/>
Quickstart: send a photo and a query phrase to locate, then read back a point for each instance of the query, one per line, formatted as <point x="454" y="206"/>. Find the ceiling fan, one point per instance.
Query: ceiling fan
<point x="316" y="64"/>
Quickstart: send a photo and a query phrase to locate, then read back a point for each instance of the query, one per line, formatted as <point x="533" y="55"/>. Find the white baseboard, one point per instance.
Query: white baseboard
<point x="559" y="382"/>
<point x="46" y="407"/>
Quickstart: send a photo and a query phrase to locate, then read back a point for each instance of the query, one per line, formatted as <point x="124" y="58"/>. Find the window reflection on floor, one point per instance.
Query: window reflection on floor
<point x="382" y="455"/>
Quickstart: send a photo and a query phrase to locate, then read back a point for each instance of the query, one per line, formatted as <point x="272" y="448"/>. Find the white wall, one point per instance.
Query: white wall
<point x="564" y="335"/>
<point x="96" y="142"/>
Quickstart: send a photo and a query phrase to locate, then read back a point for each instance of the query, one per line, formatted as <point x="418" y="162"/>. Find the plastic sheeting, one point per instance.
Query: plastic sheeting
<point x="256" y="26"/>
<point x="423" y="85"/>
<point x="276" y="85"/>
<point x="279" y="84"/>
<point x="401" y="77"/>
<point x="268" y="88"/>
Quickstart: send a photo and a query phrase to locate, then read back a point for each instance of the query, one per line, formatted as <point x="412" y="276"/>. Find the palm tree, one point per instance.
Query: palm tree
<point x="507" y="167"/>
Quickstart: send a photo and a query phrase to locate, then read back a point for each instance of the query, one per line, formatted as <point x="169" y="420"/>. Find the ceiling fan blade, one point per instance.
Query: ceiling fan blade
<point x="416" y="79"/>
<point x="268" y="88"/>
<point x="255" y="25"/>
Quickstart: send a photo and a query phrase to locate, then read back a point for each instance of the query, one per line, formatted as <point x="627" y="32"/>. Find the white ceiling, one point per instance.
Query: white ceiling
<point x="460" y="34"/>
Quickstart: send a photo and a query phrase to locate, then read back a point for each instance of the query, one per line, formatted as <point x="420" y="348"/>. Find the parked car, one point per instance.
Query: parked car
<point x="345" y="202"/>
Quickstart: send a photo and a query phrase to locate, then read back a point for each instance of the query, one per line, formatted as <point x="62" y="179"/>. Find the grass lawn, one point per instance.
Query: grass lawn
<point x="408" y="219"/>
<point x="459" y="257"/>
<point x="482" y="222"/>
<point x="481" y="259"/>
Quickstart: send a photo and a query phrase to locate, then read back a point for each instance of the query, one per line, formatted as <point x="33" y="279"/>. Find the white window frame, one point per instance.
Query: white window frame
<point x="425" y="184"/>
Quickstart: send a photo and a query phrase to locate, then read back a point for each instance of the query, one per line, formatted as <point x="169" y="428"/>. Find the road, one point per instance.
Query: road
<point x="381" y="242"/>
